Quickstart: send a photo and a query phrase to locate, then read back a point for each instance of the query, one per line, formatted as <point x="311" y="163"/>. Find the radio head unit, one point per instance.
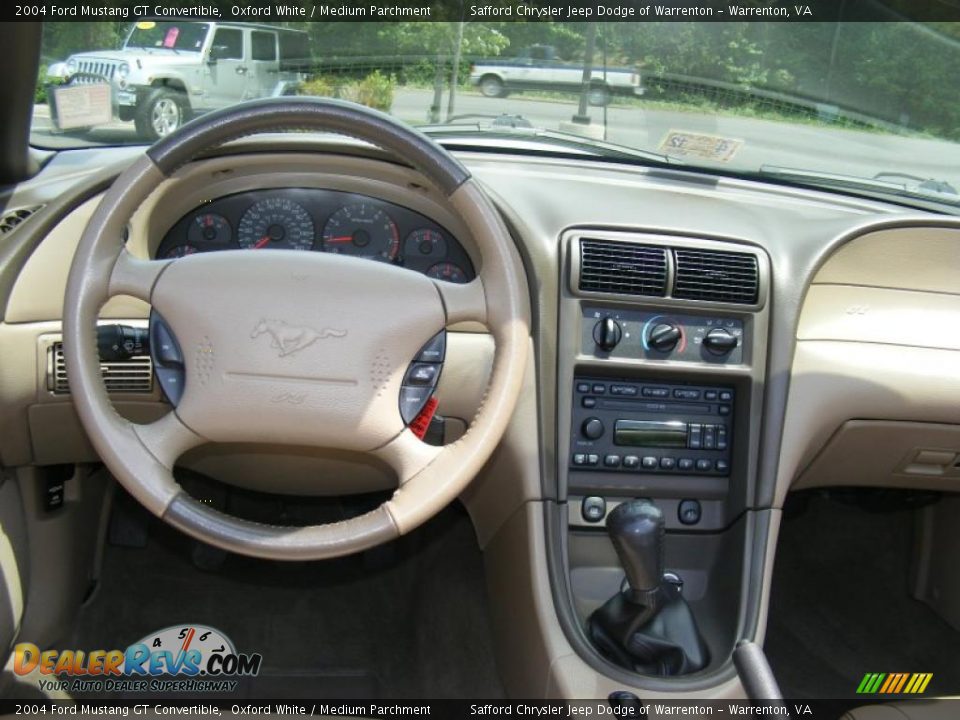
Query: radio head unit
<point x="639" y="426"/>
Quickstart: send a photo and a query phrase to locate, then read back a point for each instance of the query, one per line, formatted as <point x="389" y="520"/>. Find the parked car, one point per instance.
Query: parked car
<point x="167" y="72"/>
<point x="538" y="68"/>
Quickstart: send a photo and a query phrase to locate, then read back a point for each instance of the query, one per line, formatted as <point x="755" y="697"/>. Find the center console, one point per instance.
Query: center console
<point x="662" y="347"/>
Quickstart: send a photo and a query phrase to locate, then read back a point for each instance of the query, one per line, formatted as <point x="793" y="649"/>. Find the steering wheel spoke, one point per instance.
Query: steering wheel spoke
<point x="167" y="438"/>
<point x="135" y="277"/>
<point x="407" y="455"/>
<point x="466" y="301"/>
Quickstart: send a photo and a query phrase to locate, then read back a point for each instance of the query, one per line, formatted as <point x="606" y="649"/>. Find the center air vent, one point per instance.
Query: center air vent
<point x="716" y="276"/>
<point x="623" y="268"/>
<point x="130" y="376"/>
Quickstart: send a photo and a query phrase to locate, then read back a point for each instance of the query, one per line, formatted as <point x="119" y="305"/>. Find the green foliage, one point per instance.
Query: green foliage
<point x="375" y="90"/>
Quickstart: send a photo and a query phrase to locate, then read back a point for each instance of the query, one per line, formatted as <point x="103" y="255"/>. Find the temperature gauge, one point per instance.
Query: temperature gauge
<point x="425" y="243"/>
<point x="449" y="272"/>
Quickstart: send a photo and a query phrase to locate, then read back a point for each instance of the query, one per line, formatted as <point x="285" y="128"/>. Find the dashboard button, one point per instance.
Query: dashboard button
<point x="422" y="374"/>
<point x="628" y="390"/>
<point x="649" y="462"/>
<point x="599" y="389"/>
<point x="631" y="461"/>
<point x="695" y="437"/>
<point x="724" y="409"/>
<point x="592" y="428"/>
<point x="412" y="400"/>
<point x="689" y="512"/>
<point x="435" y="349"/>
<point x="589" y="402"/>
<point x="611" y="461"/>
<point x="685" y="463"/>
<point x="704" y="465"/>
<point x="710" y="395"/>
<point x="593" y="459"/>
<point x="726" y="395"/>
<point x="722" y="466"/>
<point x="583" y="387"/>
<point x="721" y="437"/>
<point x="657" y="392"/>
<point x="579" y="459"/>
<point x="686" y="394"/>
<point x="667" y="463"/>
<point x="709" y="437"/>
<point x="593" y="509"/>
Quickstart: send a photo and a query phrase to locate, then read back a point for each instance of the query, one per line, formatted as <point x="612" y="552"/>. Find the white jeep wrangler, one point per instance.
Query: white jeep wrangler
<point x="166" y="72"/>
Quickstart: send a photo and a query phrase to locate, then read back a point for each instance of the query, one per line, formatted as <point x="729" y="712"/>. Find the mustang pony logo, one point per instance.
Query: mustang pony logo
<point x="289" y="339"/>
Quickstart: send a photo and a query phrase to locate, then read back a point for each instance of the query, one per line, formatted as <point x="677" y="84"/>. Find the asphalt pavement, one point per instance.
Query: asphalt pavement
<point x="762" y="142"/>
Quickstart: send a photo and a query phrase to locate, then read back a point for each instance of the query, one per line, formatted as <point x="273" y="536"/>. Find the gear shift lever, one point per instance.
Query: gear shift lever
<point x="636" y="529"/>
<point x="648" y="627"/>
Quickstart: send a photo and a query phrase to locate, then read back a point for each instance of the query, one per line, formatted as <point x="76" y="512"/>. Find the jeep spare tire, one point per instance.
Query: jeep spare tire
<point x="162" y="112"/>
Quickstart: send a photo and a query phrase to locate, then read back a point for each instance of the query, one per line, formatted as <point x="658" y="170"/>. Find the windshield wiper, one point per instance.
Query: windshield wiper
<point x="516" y="129"/>
<point x="926" y="190"/>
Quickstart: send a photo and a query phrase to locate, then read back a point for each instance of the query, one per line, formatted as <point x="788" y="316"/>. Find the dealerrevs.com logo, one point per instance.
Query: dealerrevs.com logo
<point x="180" y="658"/>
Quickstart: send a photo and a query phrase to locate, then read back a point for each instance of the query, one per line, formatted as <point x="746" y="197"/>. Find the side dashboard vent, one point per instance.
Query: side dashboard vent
<point x="623" y="268"/>
<point x="10" y="220"/>
<point x="716" y="276"/>
<point x="131" y="376"/>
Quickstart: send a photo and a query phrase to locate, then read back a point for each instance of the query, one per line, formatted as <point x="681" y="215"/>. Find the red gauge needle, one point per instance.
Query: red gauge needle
<point x="341" y="239"/>
<point x="262" y="242"/>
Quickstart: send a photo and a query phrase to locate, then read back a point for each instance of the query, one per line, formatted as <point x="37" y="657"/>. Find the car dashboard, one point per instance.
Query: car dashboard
<point x="655" y="381"/>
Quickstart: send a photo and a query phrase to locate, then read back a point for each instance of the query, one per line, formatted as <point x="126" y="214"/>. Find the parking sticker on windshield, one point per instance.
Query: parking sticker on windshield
<point x="683" y="143"/>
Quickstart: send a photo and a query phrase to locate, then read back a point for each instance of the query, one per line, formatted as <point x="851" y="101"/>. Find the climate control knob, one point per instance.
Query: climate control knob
<point x="663" y="337"/>
<point x="607" y="333"/>
<point x="720" y="341"/>
<point x="592" y="428"/>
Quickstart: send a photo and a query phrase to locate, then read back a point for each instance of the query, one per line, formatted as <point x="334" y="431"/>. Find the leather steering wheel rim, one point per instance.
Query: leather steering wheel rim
<point x="142" y="457"/>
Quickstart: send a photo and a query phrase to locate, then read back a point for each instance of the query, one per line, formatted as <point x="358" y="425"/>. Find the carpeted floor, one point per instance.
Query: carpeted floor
<point x="410" y="621"/>
<point x="840" y="605"/>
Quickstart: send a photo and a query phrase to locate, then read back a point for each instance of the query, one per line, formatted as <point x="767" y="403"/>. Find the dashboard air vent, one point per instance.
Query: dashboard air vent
<point x="623" y="268"/>
<point x="10" y="220"/>
<point x="131" y="376"/>
<point x="716" y="276"/>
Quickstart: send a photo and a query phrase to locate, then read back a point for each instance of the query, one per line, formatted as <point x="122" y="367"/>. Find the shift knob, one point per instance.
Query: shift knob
<point x="636" y="529"/>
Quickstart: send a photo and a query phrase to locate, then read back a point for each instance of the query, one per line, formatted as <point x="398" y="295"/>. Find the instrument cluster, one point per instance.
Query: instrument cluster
<point x="321" y="221"/>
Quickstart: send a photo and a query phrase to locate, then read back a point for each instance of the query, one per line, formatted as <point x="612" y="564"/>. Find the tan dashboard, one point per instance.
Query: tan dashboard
<point x="875" y="386"/>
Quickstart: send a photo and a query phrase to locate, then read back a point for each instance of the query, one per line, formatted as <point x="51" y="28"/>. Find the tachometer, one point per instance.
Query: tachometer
<point x="276" y="223"/>
<point x="364" y="230"/>
<point x="209" y="228"/>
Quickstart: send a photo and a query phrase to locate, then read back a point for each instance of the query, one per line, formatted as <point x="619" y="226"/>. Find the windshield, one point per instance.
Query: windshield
<point x="872" y="105"/>
<point x="168" y="35"/>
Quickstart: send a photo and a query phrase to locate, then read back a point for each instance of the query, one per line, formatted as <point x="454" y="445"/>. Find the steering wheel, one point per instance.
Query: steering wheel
<point x="366" y="320"/>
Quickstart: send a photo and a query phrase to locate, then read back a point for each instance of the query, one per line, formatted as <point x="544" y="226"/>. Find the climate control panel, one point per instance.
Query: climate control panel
<point x="638" y="334"/>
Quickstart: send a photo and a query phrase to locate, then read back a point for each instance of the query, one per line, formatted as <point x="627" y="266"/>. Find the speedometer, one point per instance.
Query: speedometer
<point x="364" y="230"/>
<point x="276" y="223"/>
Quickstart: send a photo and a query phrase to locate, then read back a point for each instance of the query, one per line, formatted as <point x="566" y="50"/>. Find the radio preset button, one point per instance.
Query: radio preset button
<point x="593" y="459"/>
<point x="667" y="463"/>
<point x="631" y="461"/>
<point x="592" y="428"/>
<point x="704" y="465"/>
<point x="649" y="462"/>
<point x="579" y="459"/>
<point x="685" y="463"/>
<point x="612" y="461"/>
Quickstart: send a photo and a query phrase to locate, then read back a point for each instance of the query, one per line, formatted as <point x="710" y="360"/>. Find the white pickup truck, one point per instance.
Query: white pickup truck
<point x="537" y="68"/>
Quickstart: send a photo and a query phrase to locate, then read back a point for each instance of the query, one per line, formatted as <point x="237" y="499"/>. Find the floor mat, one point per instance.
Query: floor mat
<point x="840" y="606"/>
<point x="402" y="622"/>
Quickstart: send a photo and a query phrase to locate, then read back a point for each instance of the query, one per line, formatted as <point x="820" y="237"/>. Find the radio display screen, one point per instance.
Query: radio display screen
<point x="635" y="433"/>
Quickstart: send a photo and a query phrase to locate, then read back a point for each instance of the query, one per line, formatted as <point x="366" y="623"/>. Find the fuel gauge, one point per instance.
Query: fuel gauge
<point x="425" y="243"/>
<point x="209" y="228"/>
<point x="179" y="251"/>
